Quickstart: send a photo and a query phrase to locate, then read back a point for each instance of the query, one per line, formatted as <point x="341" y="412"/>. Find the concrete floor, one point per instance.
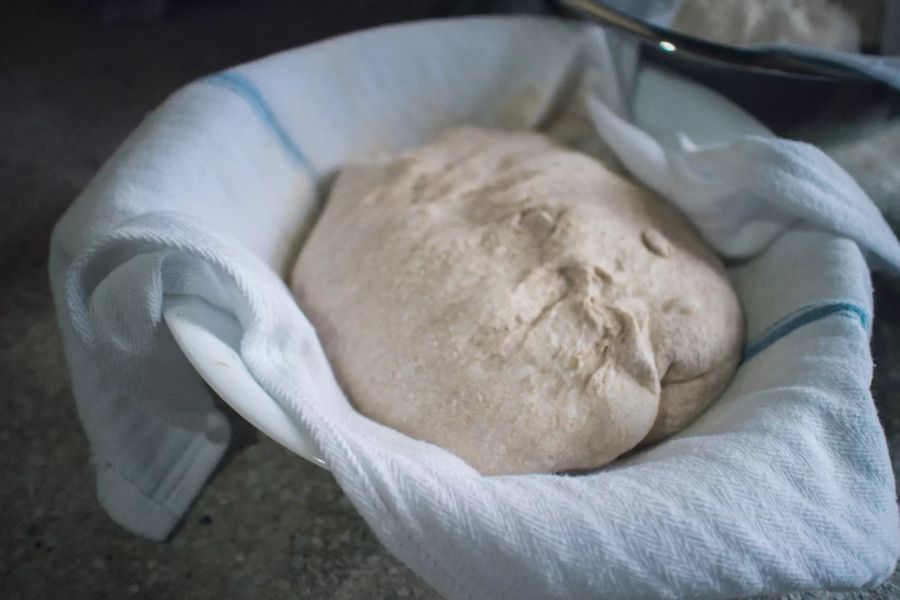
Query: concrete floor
<point x="269" y="525"/>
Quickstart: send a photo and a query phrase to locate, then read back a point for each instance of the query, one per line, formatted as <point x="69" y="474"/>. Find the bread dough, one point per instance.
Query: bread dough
<point x="516" y="303"/>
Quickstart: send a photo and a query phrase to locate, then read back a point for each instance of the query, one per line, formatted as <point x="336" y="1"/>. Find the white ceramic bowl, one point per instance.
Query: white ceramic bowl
<point x="210" y="339"/>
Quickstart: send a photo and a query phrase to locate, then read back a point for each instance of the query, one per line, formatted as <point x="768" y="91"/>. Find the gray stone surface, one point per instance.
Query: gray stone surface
<point x="269" y="525"/>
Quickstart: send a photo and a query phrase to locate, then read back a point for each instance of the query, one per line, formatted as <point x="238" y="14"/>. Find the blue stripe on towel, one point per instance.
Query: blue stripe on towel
<point x="803" y="317"/>
<point x="244" y="87"/>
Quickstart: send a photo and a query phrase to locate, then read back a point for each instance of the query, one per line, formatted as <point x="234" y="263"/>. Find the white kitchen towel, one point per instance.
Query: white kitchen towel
<point x="783" y="484"/>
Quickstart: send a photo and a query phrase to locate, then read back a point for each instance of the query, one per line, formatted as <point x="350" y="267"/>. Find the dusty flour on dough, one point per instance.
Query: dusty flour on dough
<point x="819" y="23"/>
<point x="516" y="303"/>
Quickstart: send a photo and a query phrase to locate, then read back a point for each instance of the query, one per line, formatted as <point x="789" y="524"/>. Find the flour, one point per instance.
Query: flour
<point x="819" y="23"/>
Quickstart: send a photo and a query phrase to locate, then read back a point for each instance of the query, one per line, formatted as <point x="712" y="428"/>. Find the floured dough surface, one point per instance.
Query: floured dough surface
<point x="516" y="303"/>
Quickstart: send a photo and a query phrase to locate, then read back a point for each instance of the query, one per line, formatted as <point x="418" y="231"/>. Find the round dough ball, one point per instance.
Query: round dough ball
<point x="516" y="303"/>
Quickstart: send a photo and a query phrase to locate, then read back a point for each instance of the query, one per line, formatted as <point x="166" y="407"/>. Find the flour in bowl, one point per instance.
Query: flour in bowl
<point x="818" y="23"/>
